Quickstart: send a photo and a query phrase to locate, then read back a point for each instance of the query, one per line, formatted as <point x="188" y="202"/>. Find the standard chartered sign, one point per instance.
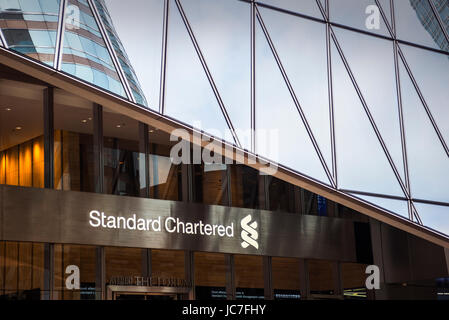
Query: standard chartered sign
<point x="99" y="219"/>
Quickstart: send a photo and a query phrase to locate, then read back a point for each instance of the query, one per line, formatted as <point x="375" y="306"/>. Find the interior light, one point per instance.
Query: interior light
<point x="18" y="128"/>
<point x="84" y="121"/>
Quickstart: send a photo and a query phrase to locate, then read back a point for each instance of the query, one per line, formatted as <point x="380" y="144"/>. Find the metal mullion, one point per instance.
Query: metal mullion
<point x="59" y="47"/>
<point x="112" y="53"/>
<point x="440" y="22"/>
<point x="207" y="71"/>
<point x="370" y="116"/>
<point x="431" y="202"/>
<point x="164" y="57"/>
<point x="423" y="101"/>
<point x="3" y="39"/>
<point x="401" y="121"/>
<point x="253" y="77"/>
<point x="295" y="99"/>
<point x="375" y="195"/>
<point x="384" y="17"/>
<point x="393" y="20"/>
<point x="415" y="213"/>
<point x="48" y="112"/>
<point x="322" y="10"/>
<point x="330" y="89"/>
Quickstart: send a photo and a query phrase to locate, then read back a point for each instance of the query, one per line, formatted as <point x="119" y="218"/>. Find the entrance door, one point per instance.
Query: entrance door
<point x="147" y="293"/>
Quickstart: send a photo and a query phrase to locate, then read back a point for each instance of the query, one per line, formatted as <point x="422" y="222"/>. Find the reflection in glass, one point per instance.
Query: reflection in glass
<point x="359" y="14"/>
<point x="124" y="161"/>
<point x="246" y="187"/>
<point x="430" y="71"/>
<point x="210" y="184"/>
<point x="85" y="54"/>
<point x="415" y="22"/>
<point x="435" y="217"/>
<point x="123" y="262"/>
<point x="280" y="133"/>
<point x="30" y="27"/>
<point x="120" y="52"/>
<point x="301" y="45"/>
<point x="427" y="159"/>
<point x="360" y="157"/>
<point x="353" y="279"/>
<point x="371" y="61"/>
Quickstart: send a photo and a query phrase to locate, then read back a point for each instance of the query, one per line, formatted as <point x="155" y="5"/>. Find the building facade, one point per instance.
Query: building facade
<point x="157" y="192"/>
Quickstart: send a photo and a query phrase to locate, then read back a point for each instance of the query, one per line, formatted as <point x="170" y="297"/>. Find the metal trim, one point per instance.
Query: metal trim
<point x="49" y="129"/>
<point x="253" y="76"/>
<point x="3" y="39"/>
<point x="162" y="82"/>
<point x="59" y="47"/>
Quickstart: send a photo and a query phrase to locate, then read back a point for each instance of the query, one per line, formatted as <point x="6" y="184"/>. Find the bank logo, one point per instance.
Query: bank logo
<point x="249" y="233"/>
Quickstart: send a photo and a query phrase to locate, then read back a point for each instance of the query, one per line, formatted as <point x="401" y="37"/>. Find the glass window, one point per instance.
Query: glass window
<point x="247" y="187"/>
<point x="361" y="159"/>
<point x="210" y="276"/>
<point x="301" y="46"/>
<point x="73" y="143"/>
<point x="435" y="217"/>
<point x="124" y="163"/>
<point x="21" y="271"/>
<point x="415" y="22"/>
<point x="168" y="264"/>
<point x="165" y="177"/>
<point x="282" y="196"/>
<point x="184" y="67"/>
<point x="285" y="277"/>
<point x="361" y="14"/>
<point x="123" y="262"/>
<point x="307" y="7"/>
<point x="396" y="206"/>
<point x="228" y="58"/>
<point x="320" y="277"/>
<point x="210" y="184"/>
<point x="21" y="134"/>
<point x="144" y="22"/>
<point x="353" y="279"/>
<point x="281" y="135"/>
<point x="84" y="257"/>
<point x="249" y="281"/>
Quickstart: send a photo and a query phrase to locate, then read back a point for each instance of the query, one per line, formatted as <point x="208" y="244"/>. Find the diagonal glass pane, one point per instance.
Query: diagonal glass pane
<point x="435" y="217"/>
<point x="372" y="63"/>
<point x="121" y="53"/>
<point x="428" y="162"/>
<point x="140" y="31"/>
<point x="359" y="14"/>
<point x="84" y="53"/>
<point x="189" y="96"/>
<point x="30" y="27"/>
<point x="400" y="207"/>
<point x="431" y="71"/>
<point x="280" y="132"/>
<point x="301" y="45"/>
<point x="222" y="29"/>
<point x="361" y="162"/>
<point x="415" y="22"/>
<point x="306" y="7"/>
<point x="442" y="7"/>
<point x="385" y="4"/>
